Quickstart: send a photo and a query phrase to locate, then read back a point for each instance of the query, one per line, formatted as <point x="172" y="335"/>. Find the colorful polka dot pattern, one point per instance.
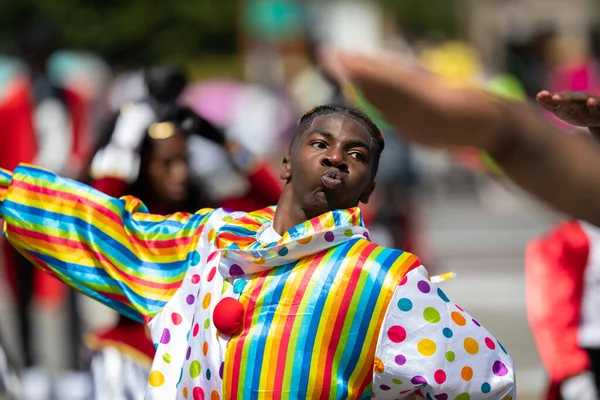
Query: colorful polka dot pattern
<point x="188" y="348"/>
<point x="431" y="346"/>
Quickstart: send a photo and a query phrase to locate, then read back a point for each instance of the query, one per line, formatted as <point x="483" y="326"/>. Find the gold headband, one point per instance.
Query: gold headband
<point x="161" y="130"/>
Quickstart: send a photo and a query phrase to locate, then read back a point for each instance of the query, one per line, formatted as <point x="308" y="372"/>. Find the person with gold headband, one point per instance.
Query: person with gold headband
<point x="292" y="301"/>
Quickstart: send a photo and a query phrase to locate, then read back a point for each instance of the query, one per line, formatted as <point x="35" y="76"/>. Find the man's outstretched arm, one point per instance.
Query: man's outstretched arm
<point x="110" y="249"/>
<point x="561" y="169"/>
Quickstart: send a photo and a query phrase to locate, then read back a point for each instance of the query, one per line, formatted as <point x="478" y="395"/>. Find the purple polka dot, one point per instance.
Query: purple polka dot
<point x="366" y="235"/>
<point x="221" y="370"/>
<point x="442" y="396"/>
<point x="188" y="354"/>
<point x="166" y="336"/>
<point x="499" y="368"/>
<point x="423" y="286"/>
<point x="329" y="237"/>
<point x="190" y="299"/>
<point x="384" y="387"/>
<point x="476" y="323"/>
<point x="236" y="270"/>
<point x="418" y="380"/>
<point x="400" y="359"/>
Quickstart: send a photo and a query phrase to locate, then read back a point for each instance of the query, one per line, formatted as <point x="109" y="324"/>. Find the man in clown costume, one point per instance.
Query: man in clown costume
<point x="290" y="302"/>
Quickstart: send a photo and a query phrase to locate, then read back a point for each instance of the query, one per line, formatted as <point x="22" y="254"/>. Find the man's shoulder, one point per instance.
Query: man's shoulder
<point x="387" y="253"/>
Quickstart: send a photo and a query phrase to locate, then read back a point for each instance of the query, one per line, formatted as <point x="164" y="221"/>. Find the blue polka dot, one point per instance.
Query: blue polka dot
<point x="429" y="397"/>
<point x="195" y="258"/>
<point x="405" y="304"/>
<point x="283" y="251"/>
<point x="208" y="374"/>
<point x="447" y="332"/>
<point x="239" y="285"/>
<point x="188" y="336"/>
<point x="155" y="346"/>
<point x="486" y="388"/>
<point x="443" y="295"/>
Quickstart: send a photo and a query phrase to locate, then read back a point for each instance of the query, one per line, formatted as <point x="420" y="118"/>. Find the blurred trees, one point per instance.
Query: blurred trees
<point x="127" y="30"/>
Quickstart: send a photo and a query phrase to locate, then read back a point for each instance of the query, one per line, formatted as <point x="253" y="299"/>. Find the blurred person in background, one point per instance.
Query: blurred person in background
<point x="566" y="324"/>
<point x="48" y="123"/>
<point x="157" y="171"/>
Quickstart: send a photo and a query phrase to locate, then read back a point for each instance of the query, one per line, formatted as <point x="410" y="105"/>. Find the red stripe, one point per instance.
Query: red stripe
<point x="240" y="344"/>
<point x="159" y="244"/>
<point x="95" y="255"/>
<point x="342" y="313"/>
<point x="289" y="323"/>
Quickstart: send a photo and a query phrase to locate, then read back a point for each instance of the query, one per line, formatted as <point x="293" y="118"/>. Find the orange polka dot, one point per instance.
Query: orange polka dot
<point x="214" y="395"/>
<point x="156" y="378"/>
<point x="259" y="261"/>
<point x="305" y="240"/>
<point x="185" y="393"/>
<point x="471" y="345"/>
<point x="467" y="373"/>
<point x="205" y="349"/>
<point x="458" y="318"/>
<point x="378" y="366"/>
<point x="211" y="235"/>
<point x="206" y="301"/>
<point x="507" y="398"/>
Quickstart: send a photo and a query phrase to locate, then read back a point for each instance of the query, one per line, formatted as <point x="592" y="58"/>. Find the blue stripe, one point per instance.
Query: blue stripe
<point x="256" y="354"/>
<point x="111" y="284"/>
<point x="366" y="305"/>
<point x="87" y="233"/>
<point x="114" y="304"/>
<point x="302" y="371"/>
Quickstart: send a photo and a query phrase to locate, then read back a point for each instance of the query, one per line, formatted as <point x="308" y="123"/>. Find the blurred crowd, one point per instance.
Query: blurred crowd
<point x="180" y="145"/>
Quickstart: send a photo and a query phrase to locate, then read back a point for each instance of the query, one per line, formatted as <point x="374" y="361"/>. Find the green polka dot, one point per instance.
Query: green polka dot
<point x="431" y="315"/>
<point x="397" y="381"/>
<point x="283" y="252"/>
<point x="208" y="374"/>
<point x="226" y="285"/>
<point x="463" y="396"/>
<point x="167" y="358"/>
<point x="207" y="323"/>
<point x="348" y="232"/>
<point x="195" y="369"/>
<point x="450" y="356"/>
<point x="227" y="218"/>
<point x="485" y="388"/>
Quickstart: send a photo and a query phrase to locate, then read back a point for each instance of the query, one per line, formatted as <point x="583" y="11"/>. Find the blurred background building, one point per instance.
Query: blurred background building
<point x="69" y="65"/>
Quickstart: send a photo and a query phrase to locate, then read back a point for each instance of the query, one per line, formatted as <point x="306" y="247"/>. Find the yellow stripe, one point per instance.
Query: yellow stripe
<point x="329" y="315"/>
<point x="273" y="342"/>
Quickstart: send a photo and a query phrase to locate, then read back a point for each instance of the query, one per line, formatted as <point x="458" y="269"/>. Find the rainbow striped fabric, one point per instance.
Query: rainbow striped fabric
<point x="311" y="326"/>
<point x="110" y="249"/>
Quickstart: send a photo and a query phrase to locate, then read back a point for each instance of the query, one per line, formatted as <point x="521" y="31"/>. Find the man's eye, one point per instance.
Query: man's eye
<point x="358" y="156"/>
<point x="319" y="145"/>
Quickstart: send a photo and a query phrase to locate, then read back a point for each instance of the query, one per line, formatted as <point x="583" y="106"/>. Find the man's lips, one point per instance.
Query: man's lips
<point x="332" y="178"/>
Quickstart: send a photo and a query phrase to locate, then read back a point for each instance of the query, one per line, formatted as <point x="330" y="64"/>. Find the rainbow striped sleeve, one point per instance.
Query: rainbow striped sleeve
<point x="110" y="249"/>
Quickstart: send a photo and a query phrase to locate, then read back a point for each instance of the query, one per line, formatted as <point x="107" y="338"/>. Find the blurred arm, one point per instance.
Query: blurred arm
<point x="110" y="249"/>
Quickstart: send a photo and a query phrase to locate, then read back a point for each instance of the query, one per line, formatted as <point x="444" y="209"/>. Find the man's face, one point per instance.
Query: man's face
<point x="331" y="165"/>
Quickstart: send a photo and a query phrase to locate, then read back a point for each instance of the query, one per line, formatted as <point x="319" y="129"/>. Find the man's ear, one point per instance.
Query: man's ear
<point x="366" y="195"/>
<point x="286" y="169"/>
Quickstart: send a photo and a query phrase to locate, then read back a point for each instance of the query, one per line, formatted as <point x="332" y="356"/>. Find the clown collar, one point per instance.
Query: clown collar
<point x="244" y="253"/>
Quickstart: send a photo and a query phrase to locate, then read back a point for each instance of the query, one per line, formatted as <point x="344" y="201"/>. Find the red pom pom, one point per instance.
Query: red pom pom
<point x="228" y="316"/>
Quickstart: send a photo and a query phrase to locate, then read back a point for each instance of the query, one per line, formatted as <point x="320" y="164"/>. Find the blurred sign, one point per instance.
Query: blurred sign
<point x="273" y="19"/>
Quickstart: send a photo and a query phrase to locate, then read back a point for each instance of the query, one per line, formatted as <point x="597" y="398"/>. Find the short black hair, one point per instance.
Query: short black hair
<point x="355" y="114"/>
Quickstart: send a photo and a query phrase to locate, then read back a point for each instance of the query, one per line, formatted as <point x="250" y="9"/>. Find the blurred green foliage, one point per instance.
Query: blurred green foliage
<point x="128" y="30"/>
<point x="431" y="19"/>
